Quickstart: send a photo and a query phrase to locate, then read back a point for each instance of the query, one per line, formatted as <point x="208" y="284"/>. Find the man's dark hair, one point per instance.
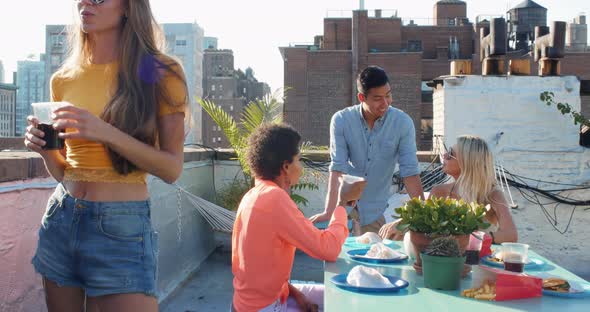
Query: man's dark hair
<point x="371" y="77"/>
<point x="269" y="147"/>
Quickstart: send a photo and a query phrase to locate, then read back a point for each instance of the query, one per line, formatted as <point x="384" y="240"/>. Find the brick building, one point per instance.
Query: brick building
<point x="229" y="88"/>
<point x="322" y="75"/>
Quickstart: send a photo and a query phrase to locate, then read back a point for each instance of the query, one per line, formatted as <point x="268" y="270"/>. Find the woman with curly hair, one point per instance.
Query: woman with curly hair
<point x="269" y="227"/>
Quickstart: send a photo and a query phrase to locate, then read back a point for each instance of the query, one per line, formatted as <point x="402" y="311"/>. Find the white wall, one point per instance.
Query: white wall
<point x="538" y="141"/>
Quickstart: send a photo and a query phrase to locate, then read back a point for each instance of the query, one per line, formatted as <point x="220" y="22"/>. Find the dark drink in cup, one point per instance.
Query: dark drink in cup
<point x="43" y="111"/>
<point x="513" y="262"/>
<point x="51" y="138"/>
<point x="517" y="267"/>
<point x="472" y="254"/>
<point x="472" y="257"/>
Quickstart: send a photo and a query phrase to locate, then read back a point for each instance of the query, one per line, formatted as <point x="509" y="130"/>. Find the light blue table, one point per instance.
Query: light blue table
<point x="418" y="298"/>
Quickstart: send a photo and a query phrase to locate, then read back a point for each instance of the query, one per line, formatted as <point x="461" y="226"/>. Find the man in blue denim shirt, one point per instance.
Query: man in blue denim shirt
<point x="368" y="140"/>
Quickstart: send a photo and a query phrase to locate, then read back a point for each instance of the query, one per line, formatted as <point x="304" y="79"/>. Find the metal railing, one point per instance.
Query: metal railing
<point x="384" y="13"/>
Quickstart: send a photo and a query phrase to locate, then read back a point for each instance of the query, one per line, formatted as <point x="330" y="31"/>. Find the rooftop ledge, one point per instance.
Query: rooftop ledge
<point x="23" y="165"/>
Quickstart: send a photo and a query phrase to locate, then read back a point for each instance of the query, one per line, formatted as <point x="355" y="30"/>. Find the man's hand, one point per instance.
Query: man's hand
<point x="389" y="231"/>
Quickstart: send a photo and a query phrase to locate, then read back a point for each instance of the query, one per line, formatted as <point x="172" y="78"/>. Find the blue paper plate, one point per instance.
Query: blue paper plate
<point x="351" y="243"/>
<point x="534" y="263"/>
<point x="398" y="284"/>
<point x="578" y="289"/>
<point x="583" y="291"/>
<point x="357" y="254"/>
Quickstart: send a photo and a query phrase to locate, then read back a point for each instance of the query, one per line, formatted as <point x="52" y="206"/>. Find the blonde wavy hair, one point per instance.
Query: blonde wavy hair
<point x="141" y="65"/>
<point x="477" y="179"/>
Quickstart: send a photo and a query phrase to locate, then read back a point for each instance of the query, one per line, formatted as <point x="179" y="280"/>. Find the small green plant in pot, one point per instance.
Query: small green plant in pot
<point x="442" y="264"/>
<point x="439" y="217"/>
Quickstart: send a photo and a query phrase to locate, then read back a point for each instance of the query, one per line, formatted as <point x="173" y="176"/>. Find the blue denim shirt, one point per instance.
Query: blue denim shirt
<point x="357" y="150"/>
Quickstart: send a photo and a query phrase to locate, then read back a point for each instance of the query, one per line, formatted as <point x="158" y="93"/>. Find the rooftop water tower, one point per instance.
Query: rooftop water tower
<point x="522" y="20"/>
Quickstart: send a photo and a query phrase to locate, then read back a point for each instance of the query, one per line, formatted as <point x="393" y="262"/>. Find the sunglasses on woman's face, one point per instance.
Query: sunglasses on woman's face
<point x="450" y="154"/>
<point x="93" y="1"/>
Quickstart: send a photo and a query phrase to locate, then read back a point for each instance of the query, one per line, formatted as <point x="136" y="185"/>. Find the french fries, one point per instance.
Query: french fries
<point x="486" y="292"/>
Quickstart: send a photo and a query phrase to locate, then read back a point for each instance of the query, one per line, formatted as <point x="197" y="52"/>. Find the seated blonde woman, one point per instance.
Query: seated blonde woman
<point x="269" y="227"/>
<point x="471" y="165"/>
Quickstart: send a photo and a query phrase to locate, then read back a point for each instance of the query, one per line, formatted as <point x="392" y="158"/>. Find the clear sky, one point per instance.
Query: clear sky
<point x="254" y="29"/>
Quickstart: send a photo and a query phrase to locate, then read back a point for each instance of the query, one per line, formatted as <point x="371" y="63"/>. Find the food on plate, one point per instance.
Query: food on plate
<point x="556" y="284"/>
<point x="495" y="259"/>
<point x="362" y="276"/>
<point x="380" y="251"/>
<point x="486" y="292"/>
<point x="369" y="238"/>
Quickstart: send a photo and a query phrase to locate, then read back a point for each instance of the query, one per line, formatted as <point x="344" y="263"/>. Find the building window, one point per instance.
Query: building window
<point x="451" y="22"/>
<point x="426" y="129"/>
<point x="56" y="41"/>
<point x="220" y="87"/>
<point x="180" y="41"/>
<point x="231" y="108"/>
<point x="244" y="90"/>
<point x="213" y="140"/>
<point x="218" y="139"/>
<point x="414" y="45"/>
<point x="55" y="60"/>
<point x="213" y="88"/>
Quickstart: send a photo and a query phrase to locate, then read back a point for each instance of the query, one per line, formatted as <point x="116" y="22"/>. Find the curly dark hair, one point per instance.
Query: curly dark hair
<point x="269" y="147"/>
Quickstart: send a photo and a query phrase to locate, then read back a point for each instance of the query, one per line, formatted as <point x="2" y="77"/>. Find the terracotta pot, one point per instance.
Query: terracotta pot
<point x="421" y="240"/>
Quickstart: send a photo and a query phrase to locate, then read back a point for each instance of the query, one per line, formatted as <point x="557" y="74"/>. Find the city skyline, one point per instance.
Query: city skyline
<point x="254" y="30"/>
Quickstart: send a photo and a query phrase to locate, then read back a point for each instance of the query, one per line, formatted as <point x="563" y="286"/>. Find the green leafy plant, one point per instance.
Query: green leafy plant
<point x="443" y="247"/>
<point x="441" y="216"/>
<point x="231" y="194"/>
<point x="565" y="109"/>
<point x="255" y="114"/>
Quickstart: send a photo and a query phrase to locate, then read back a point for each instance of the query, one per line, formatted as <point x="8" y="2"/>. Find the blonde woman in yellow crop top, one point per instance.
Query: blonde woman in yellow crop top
<point x="126" y="119"/>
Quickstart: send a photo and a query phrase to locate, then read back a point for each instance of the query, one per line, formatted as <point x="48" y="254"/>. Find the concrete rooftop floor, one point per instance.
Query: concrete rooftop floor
<point x="210" y="287"/>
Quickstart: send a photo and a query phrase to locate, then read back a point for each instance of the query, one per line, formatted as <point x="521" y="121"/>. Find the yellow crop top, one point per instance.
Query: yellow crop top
<point x="92" y="89"/>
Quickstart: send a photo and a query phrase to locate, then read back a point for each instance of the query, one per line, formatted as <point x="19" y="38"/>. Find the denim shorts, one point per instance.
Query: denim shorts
<point x="102" y="247"/>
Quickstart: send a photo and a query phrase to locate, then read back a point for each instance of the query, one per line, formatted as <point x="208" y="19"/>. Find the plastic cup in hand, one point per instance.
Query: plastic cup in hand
<point x="352" y="185"/>
<point x="43" y="112"/>
<point x="515" y="256"/>
<point x="473" y="248"/>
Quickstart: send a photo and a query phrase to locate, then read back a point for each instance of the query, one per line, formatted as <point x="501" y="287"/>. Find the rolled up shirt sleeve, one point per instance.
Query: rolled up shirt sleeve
<point x="338" y="146"/>
<point x="408" y="161"/>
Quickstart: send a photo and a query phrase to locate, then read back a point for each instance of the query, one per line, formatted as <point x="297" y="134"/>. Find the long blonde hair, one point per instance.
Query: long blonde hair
<point x="141" y="64"/>
<point x="477" y="180"/>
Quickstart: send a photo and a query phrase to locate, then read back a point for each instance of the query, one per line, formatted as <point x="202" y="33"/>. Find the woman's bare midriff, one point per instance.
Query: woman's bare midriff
<point x="106" y="192"/>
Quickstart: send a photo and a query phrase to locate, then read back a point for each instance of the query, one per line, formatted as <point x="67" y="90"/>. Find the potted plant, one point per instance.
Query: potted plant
<point x="442" y="264"/>
<point x="439" y="217"/>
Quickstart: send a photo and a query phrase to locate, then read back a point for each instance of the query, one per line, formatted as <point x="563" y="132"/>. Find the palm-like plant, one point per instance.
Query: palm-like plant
<point x="256" y="113"/>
